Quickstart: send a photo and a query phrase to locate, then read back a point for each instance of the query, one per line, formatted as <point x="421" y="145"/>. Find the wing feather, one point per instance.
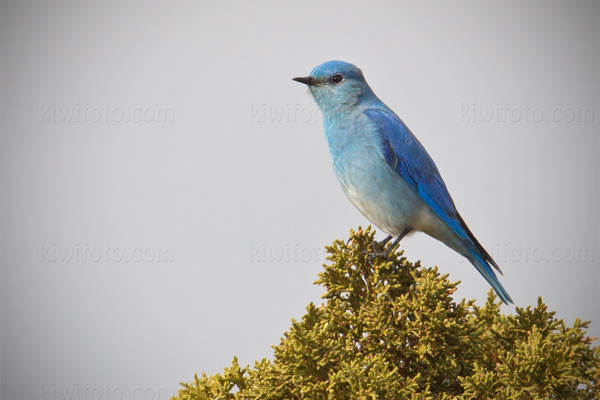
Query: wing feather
<point x="406" y="155"/>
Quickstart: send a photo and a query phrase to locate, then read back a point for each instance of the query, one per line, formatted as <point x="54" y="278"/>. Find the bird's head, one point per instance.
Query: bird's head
<point x="336" y="86"/>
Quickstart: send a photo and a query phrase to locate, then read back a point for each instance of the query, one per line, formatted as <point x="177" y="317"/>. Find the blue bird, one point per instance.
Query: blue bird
<point x="385" y="171"/>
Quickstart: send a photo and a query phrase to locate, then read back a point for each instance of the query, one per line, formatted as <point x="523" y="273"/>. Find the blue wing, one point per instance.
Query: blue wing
<point x="407" y="156"/>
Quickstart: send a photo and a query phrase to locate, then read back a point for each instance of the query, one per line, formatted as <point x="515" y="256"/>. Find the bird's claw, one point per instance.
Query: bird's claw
<point x="375" y="254"/>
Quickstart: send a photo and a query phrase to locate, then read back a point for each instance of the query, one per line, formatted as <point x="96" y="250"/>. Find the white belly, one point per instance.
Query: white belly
<point x="382" y="196"/>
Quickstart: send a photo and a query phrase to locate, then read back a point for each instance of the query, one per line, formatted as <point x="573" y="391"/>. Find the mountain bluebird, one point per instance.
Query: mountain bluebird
<point x="385" y="171"/>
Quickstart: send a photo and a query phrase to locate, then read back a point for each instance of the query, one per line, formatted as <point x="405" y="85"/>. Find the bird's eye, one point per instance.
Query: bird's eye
<point x="336" y="79"/>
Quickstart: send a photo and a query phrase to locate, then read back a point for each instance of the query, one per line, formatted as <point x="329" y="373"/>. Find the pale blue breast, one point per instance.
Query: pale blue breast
<point x="378" y="192"/>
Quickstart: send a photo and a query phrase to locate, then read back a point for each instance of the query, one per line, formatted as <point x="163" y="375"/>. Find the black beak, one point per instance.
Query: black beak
<point x="309" y="80"/>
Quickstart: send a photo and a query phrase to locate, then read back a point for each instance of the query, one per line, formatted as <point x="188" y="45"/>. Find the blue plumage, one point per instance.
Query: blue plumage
<point x="384" y="170"/>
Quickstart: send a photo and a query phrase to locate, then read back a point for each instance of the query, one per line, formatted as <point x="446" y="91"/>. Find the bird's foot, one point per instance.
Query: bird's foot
<point x="380" y="245"/>
<point x="385" y="253"/>
<point x="375" y="254"/>
<point x="384" y="241"/>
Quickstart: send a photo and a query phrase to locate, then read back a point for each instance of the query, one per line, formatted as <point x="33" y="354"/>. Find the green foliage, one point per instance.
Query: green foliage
<point x="389" y="329"/>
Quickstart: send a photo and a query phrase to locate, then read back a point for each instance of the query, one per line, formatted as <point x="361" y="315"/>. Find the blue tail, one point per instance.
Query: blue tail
<point x="483" y="266"/>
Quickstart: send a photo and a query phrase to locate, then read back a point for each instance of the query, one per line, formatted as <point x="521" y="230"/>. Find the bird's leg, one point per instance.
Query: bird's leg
<point x="377" y="246"/>
<point x="387" y="252"/>
<point x="405" y="232"/>
<point x="384" y="241"/>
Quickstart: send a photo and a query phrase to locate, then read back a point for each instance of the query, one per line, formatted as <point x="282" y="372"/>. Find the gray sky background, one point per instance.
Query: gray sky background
<point x="220" y="192"/>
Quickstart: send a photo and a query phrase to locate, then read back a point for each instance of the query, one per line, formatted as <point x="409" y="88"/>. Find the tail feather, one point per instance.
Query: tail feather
<point x="483" y="266"/>
<point x="459" y="237"/>
<point x="481" y="252"/>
